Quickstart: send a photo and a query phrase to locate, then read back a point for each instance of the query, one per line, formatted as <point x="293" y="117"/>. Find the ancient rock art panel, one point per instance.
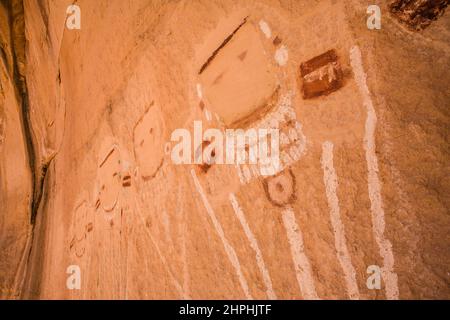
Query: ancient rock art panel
<point x="148" y="141"/>
<point x="265" y="28"/>
<point x="147" y="236"/>
<point x="255" y="246"/>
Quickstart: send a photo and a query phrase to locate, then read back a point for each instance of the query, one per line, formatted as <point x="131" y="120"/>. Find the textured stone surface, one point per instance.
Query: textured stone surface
<point x="15" y="174"/>
<point x="418" y="14"/>
<point x="321" y="75"/>
<point x="85" y="179"/>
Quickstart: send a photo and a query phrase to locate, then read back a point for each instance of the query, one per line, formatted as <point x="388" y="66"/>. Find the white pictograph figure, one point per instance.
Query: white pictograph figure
<point x="293" y="146"/>
<point x="112" y="209"/>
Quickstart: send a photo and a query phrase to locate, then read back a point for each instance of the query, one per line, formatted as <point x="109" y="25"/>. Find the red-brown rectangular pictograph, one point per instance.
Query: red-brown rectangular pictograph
<point x="321" y="75"/>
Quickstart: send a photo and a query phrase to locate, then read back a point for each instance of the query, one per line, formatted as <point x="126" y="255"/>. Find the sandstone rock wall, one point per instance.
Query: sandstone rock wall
<point x="87" y="178"/>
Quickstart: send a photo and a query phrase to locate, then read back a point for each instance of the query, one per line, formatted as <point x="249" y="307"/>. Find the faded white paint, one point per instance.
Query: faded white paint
<point x="229" y="250"/>
<point x="265" y="28"/>
<point x="374" y="186"/>
<point x="208" y="115"/>
<point x="165" y="219"/>
<point x="284" y="140"/>
<point x="240" y="175"/>
<point x="331" y="183"/>
<point x="199" y="91"/>
<point x="282" y="56"/>
<point x="254" y="244"/>
<point x="296" y="147"/>
<point x="175" y="282"/>
<point x="256" y="171"/>
<point x="247" y="173"/>
<point x="181" y="212"/>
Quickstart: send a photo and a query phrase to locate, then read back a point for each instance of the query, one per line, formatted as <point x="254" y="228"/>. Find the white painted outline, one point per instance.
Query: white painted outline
<point x="177" y="285"/>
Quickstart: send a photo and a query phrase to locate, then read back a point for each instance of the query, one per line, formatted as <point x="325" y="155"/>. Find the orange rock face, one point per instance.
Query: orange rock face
<point x="92" y="96"/>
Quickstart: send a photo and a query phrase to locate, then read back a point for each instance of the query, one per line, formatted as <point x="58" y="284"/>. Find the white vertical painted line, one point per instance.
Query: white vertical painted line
<point x="376" y="202"/>
<point x="301" y="261"/>
<point x="293" y="152"/>
<point x="284" y="140"/>
<point x="254" y="244"/>
<point x="239" y="172"/>
<point x="232" y="256"/>
<point x="182" y="213"/>
<point x="331" y="183"/>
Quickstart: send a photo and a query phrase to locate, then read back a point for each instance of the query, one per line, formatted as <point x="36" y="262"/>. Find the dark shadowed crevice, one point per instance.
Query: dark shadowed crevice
<point x="17" y="27"/>
<point x="15" y="10"/>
